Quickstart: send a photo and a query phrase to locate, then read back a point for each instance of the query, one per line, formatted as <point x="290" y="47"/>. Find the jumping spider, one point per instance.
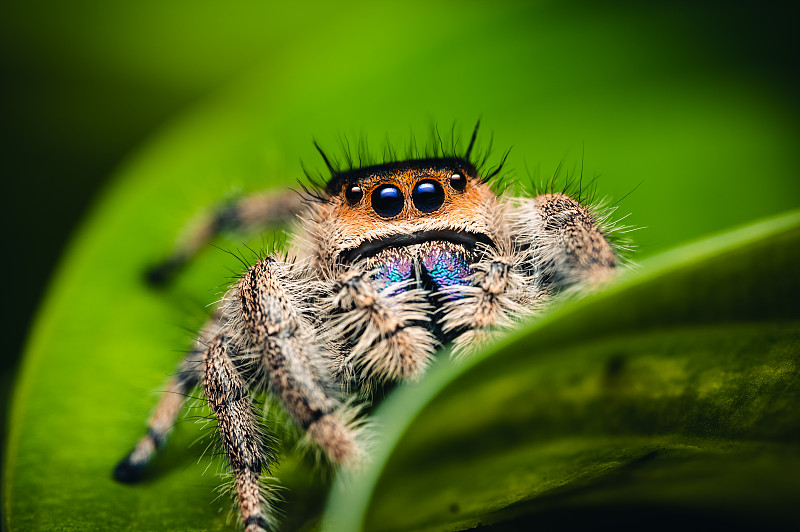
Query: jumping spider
<point x="391" y="262"/>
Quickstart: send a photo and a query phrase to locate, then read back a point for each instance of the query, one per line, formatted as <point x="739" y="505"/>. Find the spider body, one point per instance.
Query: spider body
<point x="392" y="262"/>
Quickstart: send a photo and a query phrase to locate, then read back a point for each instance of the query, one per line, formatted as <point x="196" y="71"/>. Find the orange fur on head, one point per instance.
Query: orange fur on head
<point x="341" y="225"/>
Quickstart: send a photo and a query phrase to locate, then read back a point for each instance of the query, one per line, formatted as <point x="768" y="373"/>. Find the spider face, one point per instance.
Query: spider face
<point x="418" y="223"/>
<point x="403" y="216"/>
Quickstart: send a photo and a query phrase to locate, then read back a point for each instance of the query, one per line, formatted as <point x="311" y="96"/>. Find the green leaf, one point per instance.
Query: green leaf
<point x="674" y="395"/>
<point x="620" y="82"/>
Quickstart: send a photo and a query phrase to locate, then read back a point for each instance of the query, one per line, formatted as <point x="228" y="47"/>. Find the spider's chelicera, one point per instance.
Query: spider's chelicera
<point x="391" y="262"/>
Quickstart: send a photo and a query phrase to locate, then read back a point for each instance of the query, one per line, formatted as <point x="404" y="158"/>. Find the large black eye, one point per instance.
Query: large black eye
<point x="428" y="195"/>
<point x="387" y="201"/>
<point x="353" y="194"/>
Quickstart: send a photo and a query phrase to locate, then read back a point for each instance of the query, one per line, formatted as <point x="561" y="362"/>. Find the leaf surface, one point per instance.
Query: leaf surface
<point x="543" y="80"/>
<point x="674" y="394"/>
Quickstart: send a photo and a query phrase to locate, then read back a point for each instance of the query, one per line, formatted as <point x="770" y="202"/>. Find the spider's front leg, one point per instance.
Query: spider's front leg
<point x="561" y="241"/>
<point x="267" y="332"/>
<point x="554" y="243"/>
<point x="385" y="320"/>
<point x="228" y="395"/>
<point x="495" y="298"/>
<point x="266" y="307"/>
<point x="262" y="328"/>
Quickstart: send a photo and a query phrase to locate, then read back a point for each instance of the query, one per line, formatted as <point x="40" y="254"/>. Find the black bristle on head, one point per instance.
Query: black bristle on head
<point x="494" y="171"/>
<point x="314" y="185"/>
<point x="472" y="140"/>
<point x="353" y="164"/>
<point x="411" y="151"/>
<point x="438" y="138"/>
<point x="324" y="157"/>
<point x="561" y="181"/>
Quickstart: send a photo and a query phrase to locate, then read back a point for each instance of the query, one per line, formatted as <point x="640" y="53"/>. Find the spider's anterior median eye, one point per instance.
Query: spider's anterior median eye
<point x="354" y="194"/>
<point x="387" y="201"/>
<point x="428" y="195"/>
<point x="458" y="181"/>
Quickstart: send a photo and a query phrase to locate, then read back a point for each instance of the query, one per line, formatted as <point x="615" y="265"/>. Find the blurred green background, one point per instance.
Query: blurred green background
<point x="687" y="110"/>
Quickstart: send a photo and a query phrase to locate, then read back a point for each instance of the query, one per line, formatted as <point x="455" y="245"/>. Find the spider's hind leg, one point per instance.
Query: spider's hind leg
<point x="250" y="213"/>
<point x="189" y="374"/>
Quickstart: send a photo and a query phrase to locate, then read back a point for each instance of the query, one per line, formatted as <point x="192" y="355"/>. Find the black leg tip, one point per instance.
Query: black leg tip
<point x="255" y="522"/>
<point x="128" y="472"/>
<point x="162" y="273"/>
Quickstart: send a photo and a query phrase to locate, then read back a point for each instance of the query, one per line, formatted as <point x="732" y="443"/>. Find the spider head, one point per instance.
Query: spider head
<point x="404" y="203"/>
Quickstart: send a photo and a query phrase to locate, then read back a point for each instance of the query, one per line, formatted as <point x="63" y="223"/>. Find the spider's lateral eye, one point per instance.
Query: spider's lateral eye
<point x="387" y="201"/>
<point x="428" y="195"/>
<point x="353" y="194"/>
<point x="458" y="181"/>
